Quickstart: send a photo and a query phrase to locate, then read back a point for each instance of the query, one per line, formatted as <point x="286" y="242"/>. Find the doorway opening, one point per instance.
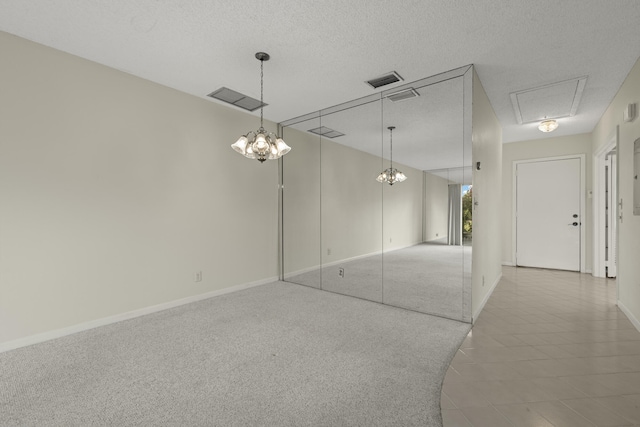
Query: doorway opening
<point x="605" y="209"/>
<point x="611" y="214"/>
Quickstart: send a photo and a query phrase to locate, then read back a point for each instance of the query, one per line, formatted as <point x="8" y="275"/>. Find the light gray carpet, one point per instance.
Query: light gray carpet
<point x="274" y="355"/>
<point x="428" y="278"/>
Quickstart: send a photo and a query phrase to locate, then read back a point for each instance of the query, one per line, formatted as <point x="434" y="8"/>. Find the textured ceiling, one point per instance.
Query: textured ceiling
<point x="323" y="51"/>
<point x="428" y="132"/>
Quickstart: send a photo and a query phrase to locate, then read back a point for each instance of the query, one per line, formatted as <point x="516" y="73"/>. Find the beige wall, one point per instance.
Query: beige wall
<point x="115" y="191"/>
<point x="351" y="211"/>
<point x="487" y="194"/>
<point x="542" y="148"/>
<point x="629" y="227"/>
<point x="359" y="214"/>
<point x="402" y="210"/>
<point x="436" y="206"/>
<point x="487" y="149"/>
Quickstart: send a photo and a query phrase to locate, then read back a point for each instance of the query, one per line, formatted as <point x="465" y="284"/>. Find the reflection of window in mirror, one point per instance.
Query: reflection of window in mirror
<point x="636" y="180"/>
<point x="467" y="214"/>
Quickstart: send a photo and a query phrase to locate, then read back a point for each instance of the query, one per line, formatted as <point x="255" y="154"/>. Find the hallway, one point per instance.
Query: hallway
<point x="550" y="348"/>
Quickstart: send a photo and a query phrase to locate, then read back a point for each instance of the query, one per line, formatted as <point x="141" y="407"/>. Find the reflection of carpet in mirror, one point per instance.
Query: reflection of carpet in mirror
<point x="427" y="277"/>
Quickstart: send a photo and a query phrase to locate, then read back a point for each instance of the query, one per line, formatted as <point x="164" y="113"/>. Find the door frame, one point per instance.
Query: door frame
<point x="599" y="193"/>
<point x="583" y="213"/>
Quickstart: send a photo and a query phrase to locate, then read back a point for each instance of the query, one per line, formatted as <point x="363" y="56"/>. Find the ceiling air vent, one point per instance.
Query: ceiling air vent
<point x="236" y="98"/>
<point x="327" y="132"/>
<point x="402" y="95"/>
<point x="387" y="79"/>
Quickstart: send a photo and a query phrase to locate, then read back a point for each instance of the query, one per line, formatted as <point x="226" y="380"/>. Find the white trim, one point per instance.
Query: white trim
<point x="514" y="210"/>
<point x="630" y="315"/>
<point x="355" y="258"/>
<point x="508" y="263"/>
<point x="583" y="208"/>
<point x="288" y="276"/>
<point x="486" y="298"/>
<point x="58" y="333"/>
<point x="598" y="202"/>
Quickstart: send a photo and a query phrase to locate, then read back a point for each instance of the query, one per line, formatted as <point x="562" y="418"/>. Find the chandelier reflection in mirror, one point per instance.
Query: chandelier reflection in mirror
<point x="391" y="175"/>
<point x="261" y="145"/>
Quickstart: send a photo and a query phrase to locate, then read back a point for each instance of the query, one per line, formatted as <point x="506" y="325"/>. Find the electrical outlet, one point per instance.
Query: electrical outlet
<point x="341" y="272"/>
<point x="197" y="276"/>
<point x="329" y="251"/>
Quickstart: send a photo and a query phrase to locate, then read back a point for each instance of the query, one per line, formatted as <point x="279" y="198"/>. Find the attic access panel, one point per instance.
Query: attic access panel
<point x="552" y="101"/>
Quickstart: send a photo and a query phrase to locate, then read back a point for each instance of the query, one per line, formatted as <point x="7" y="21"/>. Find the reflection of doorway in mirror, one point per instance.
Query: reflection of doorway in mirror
<point x="467" y="214"/>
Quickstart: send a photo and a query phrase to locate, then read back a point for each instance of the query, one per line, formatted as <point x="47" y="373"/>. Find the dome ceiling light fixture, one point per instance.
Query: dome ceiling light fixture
<point x="548" y="125"/>
<point x="260" y="144"/>
<point x="391" y="175"/>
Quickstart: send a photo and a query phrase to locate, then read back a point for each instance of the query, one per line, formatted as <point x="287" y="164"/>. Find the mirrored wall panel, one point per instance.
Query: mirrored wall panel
<point x="423" y="260"/>
<point x="351" y="199"/>
<point x="376" y="203"/>
<point x="300" y="212"/>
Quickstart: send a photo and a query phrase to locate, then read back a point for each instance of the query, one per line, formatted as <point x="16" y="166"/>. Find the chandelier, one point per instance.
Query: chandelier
<point x="260" y="144"/>
<point x="391" y="175"/>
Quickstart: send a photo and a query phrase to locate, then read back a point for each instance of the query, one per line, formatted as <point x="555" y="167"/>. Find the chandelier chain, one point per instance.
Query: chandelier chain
<point x="391" y="148"/>
<point x="261" y="90"/>
<point x="260" y="144"/>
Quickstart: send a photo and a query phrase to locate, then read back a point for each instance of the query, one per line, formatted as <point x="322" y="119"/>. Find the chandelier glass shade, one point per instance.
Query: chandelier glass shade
<point x="548" y="125"/>
<point x="391" y="175"/>
<point x="261" y="145"/>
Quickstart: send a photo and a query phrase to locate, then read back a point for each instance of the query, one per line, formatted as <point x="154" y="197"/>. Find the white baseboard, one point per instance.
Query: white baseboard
<point x="58" y="333"/>
<point x="302" y="271"/>
<point x="476" y="313"/>
<point x="330" y="264"/>
<point x="508" y="263"/>
<point x="345" y="260"/>
<point x="630" y="315"/>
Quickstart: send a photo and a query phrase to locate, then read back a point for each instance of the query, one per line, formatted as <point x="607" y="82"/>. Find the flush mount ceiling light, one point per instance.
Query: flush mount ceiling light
<point x="548" y="125"/>
<point x="391" y="175"/>
<point x="261" y="145"/>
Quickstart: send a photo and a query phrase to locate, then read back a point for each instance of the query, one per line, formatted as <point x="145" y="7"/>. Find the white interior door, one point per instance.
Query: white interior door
<point x="548" y="216"/>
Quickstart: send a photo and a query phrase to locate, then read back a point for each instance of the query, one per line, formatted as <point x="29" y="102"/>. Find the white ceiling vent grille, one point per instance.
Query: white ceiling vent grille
<point x="327" y="132"/>
<point x="387" y="79"/>
<point x="552" y="101"/>
<point x="402" y="95"/>
<point x="236" y="98"/>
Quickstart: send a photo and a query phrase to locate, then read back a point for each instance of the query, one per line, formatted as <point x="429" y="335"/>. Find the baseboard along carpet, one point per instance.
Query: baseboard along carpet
<point x="274" y="355"/>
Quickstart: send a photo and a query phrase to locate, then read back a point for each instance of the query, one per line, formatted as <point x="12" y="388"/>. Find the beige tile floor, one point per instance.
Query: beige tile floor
<point x="550" y="348"/>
